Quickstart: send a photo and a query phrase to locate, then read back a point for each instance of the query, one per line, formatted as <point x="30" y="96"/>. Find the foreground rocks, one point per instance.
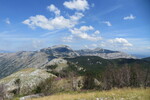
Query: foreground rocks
<point x="25" y="81"/>
<point x="31" y="96"/>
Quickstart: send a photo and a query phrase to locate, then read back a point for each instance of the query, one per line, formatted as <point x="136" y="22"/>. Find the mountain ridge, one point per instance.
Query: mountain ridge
<point x="12" y="62"/>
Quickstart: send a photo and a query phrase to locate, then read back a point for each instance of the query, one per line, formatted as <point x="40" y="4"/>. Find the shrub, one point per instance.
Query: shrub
<point x="45" y="87"/>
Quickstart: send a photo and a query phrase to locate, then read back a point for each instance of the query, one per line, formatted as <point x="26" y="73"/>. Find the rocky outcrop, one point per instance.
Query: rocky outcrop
<point x="60" y="64"/>
<point x="31" y="96"/>
<point x="25" y="81"/>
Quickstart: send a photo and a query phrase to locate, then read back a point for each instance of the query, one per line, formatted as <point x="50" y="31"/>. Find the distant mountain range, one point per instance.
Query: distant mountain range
<point x="104" y="53"/>
<point x="140" y="56"/>
<point x="66" y="51"/>
<point x="12" y="62"/>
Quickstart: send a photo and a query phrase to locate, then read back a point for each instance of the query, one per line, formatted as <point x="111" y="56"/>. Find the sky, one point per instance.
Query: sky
<point x="122" y="25"/>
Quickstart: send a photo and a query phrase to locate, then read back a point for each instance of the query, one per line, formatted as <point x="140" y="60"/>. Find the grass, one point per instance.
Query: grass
<point x="114" y="94"/>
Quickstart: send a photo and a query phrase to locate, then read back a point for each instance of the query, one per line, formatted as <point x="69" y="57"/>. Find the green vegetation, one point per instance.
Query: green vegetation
<point x="113" y="72"/>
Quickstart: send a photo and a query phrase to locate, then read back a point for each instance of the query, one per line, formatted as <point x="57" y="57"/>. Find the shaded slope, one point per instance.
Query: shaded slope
<point x="12" y="62"/>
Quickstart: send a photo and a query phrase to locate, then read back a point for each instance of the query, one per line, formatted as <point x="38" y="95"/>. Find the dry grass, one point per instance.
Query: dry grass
<point x="114" y="94"/>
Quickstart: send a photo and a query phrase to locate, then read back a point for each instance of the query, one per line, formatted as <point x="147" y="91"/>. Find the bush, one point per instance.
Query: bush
<point x="45" y="87"/>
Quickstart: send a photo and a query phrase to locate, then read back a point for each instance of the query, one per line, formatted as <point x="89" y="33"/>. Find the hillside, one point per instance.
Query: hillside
<point x="147" y="58"/>
<point x="97" y="64"/>
<point x="12" y="62"/>
<point x="79" y="73"/>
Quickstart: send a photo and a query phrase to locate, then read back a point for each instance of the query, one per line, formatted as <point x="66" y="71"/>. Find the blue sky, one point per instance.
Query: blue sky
<point x="112" y="24"/>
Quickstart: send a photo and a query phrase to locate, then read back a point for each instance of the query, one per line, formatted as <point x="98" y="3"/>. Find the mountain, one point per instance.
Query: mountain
<point x="60" y="51"/>
<point x="140" y="56"/>
<point x="82" y="72"/>
<point x="12" y="62"/>
<point x="104" y="53"/>
<point x="147" y="58"/>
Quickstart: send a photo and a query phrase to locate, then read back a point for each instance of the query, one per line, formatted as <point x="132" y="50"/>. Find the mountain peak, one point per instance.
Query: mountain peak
<point x="60" y="46"/>
<point x="98" y="48"/>
<point x="60" y="51"/>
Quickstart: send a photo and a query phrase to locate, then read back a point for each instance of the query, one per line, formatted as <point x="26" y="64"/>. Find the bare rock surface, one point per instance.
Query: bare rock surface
<point x="24" y="81"/>
<point x="31" y="96"/>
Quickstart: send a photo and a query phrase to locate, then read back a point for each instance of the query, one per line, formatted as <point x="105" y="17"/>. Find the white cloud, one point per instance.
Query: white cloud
<point x="54" y="9"/>
<point x="148" y="48"/>
<point x="7" y="21"/>
<point x="49" y="33"/>
<point x="85" y="46"/>
<point x="107" y="23"/>
<point x="102" y="44"/>
<point x="37" y="43"/>
<point x="97" y="32"/>
<point x="80" y="5"/>
<point x="91" y="46"/>
<point x="59" y="22"/>
<point x="86" y="28"/>
<point x="68" y="39"/>
<point x="82" y="33"/>
<point x="94" y="45"/>
<point x="130" y="17"/>
<point x="50" y="24"/>
<point x="41" y="21"/>
<point x="76" y="16"/>
<point x="120" y="42"/>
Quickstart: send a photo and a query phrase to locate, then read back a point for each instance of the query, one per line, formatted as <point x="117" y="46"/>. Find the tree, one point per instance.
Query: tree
<point x="146" y="78"/>
<point x="17" y="82"/>
<point x="45" y="87"/>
